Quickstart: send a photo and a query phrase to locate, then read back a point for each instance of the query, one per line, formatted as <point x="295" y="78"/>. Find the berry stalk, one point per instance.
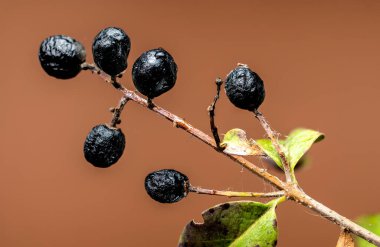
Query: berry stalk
<point x="200" y="190"/>
<point x="211" y="113"/>
<point x="117" y="112"/>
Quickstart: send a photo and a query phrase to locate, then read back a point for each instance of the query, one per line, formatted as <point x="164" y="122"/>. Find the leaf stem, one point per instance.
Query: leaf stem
<point x="200" y="190"/>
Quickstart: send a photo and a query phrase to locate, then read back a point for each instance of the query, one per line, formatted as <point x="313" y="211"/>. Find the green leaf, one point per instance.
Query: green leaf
<point x="371" y="223"/>
<point x="299" y="142"/>
<point x="294" y="146"/>
<point x="235" y="142"/>
<point x="268" y="148"/>
<point x="234" y="224"/>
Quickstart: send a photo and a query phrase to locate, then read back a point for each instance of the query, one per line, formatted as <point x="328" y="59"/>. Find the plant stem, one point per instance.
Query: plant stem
<point x="211" y="113"/>
<point x="292" y="191"/>
<point x="289" y="174"/>
<point x="200" y="190"/>
<point x="117" y="112"/>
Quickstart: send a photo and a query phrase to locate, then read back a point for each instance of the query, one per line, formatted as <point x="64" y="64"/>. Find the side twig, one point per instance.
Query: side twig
<point x="290" y="178"/>
<point x="211" y="113"/>
<point x="117" y="112"/>
<point x="200" y="190"/>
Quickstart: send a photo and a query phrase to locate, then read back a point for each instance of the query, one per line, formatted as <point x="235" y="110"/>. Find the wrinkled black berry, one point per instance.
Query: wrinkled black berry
<point x="61" y="56"/>
<point x="104" y="146"/>
<point x="166" y="186"/>
<point x="244" y="88"/>
<point x="111" y="49"/>
<point x="154" y="73"/>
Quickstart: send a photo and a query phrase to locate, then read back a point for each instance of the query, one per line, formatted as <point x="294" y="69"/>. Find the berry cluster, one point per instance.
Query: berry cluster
<point x="153" y="73"/>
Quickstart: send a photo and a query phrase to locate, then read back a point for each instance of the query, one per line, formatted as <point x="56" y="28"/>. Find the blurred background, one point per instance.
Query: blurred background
<point x="320" y="64"/>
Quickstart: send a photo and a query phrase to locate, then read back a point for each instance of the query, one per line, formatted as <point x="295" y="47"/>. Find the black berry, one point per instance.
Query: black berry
<point x="111" y="49"/>
<point x="166" y="186"/>
<point x="61" y="56"/>
<point x="244" y="88"/>
<point x="154" y="73"/>
<point x="104" y="146"/>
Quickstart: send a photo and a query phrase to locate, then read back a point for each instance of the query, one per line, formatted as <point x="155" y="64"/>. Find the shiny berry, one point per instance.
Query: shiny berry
<point x="154" y="73"/>
<point x="111" y="49"/>
<point x="104" y="146"/>
<point x="244" y="88"/>
<point x="61" y="56"/>
<point x="166" y="186"/>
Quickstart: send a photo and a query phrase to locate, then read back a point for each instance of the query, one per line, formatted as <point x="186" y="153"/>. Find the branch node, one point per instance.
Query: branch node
<point x="150" y="103"/>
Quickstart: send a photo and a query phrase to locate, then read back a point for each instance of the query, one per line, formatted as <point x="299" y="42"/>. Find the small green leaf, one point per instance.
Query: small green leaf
<point x="298" y="142"/>
<point x="371" y="223"/>
<point x="268" y="148"/>
<point x="294" y="146"/>
<point x="234" y="224"/>
<point x="235" y="142"/>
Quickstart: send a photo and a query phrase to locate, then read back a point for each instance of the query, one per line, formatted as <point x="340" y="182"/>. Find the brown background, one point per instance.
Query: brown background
<point x="320" y="63"/>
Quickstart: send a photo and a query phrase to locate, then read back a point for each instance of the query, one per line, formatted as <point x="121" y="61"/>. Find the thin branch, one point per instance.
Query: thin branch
<point x="117" y="112"/>
<point x="292" y="191"/>
<point x="290" y="178"/>
<point x="200" y="190"/>
<point x="211" y="113"/>
<point x="297" y="195"/>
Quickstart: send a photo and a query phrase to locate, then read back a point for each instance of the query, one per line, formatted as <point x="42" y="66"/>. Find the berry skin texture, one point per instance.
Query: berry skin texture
<point x="244" y="88"/>
<point x="104" y="146"/>
<point x="166" y="186"/>
<point x="61" y="56"/>
<point x="111" y="49"/>
<point x="154" y="73"/>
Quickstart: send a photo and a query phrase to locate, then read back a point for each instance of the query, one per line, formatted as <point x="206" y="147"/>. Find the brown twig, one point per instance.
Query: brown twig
<point x="200" y="190"/>
<point x="289" y="175"/>
<point x="292" y="191"/>
<point x="211" y="113"/>
<point x="117" y="112"/>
